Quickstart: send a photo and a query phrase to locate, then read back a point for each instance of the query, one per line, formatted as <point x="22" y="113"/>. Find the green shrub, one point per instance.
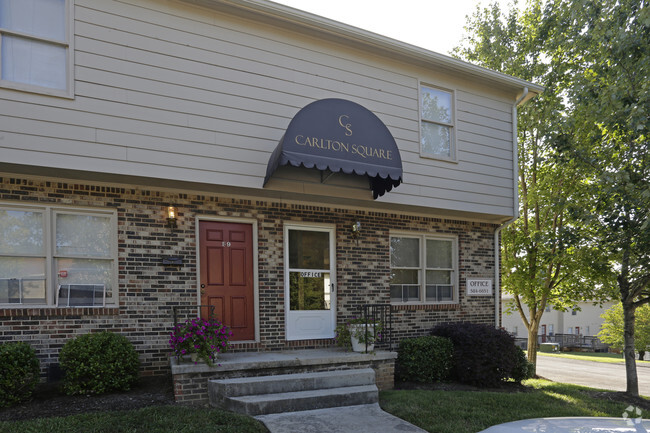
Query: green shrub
<point x="98" y="363"/>
<point x="424" y="359"/>
<point x="19" y="372"/>
<point x="523" y="369"/>
<point x="342" y="336"/>
<point x="483" y="355"/>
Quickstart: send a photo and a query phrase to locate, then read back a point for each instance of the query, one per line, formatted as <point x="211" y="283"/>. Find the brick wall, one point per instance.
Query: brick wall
<point x="148" y="290"/>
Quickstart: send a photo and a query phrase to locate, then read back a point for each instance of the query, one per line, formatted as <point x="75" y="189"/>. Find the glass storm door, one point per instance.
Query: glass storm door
<point x="309" y="282"/>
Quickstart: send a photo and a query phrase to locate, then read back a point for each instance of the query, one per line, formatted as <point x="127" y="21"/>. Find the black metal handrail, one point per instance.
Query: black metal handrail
<point x="176" y="308"/>
<point x="371" y="313"/>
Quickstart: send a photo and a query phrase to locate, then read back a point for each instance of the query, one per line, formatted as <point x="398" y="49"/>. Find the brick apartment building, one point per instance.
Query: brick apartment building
<point x="280" y="167"/>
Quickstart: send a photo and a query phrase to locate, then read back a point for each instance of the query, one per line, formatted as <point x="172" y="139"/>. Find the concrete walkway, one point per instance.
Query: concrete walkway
<point x="368" y="418"/>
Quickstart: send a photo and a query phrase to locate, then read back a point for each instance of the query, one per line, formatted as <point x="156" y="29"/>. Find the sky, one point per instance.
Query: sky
<point x="436" y="25"/>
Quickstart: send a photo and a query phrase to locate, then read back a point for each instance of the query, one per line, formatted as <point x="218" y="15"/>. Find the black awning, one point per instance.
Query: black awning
<point x="340" y="136"/>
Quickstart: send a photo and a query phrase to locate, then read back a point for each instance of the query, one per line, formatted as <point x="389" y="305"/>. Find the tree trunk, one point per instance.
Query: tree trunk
<point x="532" y="345"/>
<point x="629" y="351"/>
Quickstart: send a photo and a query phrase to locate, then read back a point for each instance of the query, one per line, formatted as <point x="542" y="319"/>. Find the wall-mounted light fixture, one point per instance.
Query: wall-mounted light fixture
<point x="172" y="213"/>
<point x="356" y="230"/>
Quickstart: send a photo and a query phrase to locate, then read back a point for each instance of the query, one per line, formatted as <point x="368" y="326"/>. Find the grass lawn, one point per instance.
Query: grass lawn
<point x="470" y="412"/>
<point x="155" y="419"/>
<point x="613" y="358"/>
<point x="434" y="411"/>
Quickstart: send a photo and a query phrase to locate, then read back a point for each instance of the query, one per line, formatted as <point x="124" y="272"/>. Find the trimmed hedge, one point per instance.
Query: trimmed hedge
<point x="98" y="363"/>
<point x="483" y="355"/>
<point x="424" y="359"/>
<point x="19" y="372"/>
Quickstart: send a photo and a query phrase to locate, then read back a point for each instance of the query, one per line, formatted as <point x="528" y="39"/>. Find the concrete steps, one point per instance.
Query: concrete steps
<point x="294" y="392"/>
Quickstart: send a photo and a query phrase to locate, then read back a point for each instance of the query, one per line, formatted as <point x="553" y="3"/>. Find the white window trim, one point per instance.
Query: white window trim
<point x="455" y="263"/>
<point x="49" y="235"/>
<point x="452" y="141"/>
<point x="331" y="230"/>
<point x="68" y="44"/>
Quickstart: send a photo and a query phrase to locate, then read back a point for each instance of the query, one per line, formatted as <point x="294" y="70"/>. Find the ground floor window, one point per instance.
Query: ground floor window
<point x="57" y="256"/>
<point x="424" y="269"/>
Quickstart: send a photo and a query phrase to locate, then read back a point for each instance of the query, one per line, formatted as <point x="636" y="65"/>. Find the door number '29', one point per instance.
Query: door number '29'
<point x="225" y="244"/>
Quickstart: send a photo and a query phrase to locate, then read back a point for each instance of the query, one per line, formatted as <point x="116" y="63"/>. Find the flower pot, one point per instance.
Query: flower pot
<point x="195" y="357"/>
<point x="359" y="330"/>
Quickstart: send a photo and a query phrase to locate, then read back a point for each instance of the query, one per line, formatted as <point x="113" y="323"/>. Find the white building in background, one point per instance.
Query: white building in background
<point x="584" y="320"/>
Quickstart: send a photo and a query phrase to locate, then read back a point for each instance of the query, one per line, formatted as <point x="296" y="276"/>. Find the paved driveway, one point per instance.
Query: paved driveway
<point x="589" y="373"/>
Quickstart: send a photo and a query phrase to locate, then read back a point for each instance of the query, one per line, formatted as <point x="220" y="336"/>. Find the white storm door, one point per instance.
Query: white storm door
<point x="309" y="269"/>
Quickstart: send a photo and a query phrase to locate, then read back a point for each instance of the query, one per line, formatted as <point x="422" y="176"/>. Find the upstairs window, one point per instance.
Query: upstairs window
<point x="423" y="269"/>
<point x="35" y="45"/>
<point x="436" y="129"/>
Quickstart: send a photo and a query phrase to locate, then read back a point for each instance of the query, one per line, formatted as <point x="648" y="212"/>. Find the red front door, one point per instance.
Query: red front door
<point x="226" y="261"/>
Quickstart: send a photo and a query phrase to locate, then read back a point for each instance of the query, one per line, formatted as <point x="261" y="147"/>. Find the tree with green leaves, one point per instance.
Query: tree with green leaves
<point x="544" y="254"/>
<point x="611" y="331"/>
<point x="603" y="47"/>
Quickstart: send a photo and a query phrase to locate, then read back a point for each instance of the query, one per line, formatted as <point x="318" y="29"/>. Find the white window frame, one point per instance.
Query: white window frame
<point x="69" y="62"/>
<point x="50" y="256"/>
<point x="453" y="154"/>
<point x="293" y="332"/>
<point x="423" y="267"/>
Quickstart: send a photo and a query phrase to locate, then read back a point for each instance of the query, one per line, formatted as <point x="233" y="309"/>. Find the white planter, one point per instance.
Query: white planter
<point x="358" y="346"/>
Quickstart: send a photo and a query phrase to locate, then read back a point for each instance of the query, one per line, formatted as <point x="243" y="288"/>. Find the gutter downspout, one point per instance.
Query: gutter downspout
<point x="497" y="232"/>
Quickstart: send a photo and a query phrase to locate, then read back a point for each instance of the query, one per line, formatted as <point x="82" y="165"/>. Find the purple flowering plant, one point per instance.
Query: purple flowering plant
<point x="206" y="338"/>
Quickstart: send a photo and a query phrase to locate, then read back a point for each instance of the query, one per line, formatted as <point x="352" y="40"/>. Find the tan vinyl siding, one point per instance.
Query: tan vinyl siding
<point x="170" y="90"/>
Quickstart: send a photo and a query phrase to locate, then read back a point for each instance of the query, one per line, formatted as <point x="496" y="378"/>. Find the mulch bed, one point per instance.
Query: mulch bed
<point x="453" y="386"/>
<point x="622" y="397"/>
<point x="48" y="400"/>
